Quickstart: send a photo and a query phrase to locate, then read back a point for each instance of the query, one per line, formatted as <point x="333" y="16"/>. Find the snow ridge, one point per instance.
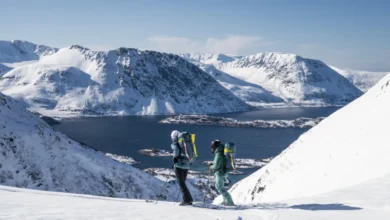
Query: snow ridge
<point x="335" y="154"/>
<point x="34" y="156"/>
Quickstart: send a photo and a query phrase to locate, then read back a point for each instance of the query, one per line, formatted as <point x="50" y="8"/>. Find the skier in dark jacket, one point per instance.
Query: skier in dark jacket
<point x="181" y="165"/>
<point x="219" y="166"/>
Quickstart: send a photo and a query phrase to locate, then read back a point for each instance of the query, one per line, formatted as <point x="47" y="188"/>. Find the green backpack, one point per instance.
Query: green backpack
<point x="187" y="144"/>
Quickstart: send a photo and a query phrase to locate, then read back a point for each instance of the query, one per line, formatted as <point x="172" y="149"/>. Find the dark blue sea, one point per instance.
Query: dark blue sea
<point x="127" y="135"/>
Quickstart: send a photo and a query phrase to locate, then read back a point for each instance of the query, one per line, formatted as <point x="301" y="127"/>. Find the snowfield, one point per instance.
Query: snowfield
<point x="34" y="156"/>
<point x="361" y="202"/>
<point x="347" y="148"/>
<point x="220" y="121"/>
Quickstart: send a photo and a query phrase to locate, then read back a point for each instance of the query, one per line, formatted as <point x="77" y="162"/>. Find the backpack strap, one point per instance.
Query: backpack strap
<point x="186" y="151"/>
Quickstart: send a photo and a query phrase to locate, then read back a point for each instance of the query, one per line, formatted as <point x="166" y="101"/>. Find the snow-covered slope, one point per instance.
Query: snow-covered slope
<point x="78" y="81"/>
<point x="34" y="156"/>
<point x="297" y="80"/>
<point x="363" y="80"/>
<point x="248" y="92"/>
<point x="19" y="51"/>
<point x="349" y="147"/>
<point x="366" y="201"/>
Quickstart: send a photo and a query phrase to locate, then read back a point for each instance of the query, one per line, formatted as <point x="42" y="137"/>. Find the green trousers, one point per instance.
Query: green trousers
<point x="219" y="185"/>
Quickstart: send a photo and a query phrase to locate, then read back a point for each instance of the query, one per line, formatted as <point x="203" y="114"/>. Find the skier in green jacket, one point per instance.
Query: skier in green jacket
<point x="219" y="166"/>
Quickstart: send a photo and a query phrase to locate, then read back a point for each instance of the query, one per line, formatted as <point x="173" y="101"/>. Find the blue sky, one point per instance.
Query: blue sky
<point x="345" y="33"/>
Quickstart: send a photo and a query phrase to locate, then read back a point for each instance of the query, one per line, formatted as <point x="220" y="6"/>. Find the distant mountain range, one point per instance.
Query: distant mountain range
<point x="76" y="81"/>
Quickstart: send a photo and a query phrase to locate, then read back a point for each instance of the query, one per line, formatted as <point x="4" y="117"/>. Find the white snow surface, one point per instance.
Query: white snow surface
<point x="76" y="81"/>
<point x="34" y="156"/>
<point x="297" y="80"/>
<point x="347" y="148"/>
<point x="363" y="80"/>
<point x="361" y="202"/>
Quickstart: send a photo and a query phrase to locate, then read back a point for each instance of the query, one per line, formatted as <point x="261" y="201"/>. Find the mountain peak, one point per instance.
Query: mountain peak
<point x="20" y="51"/>
<point x="78" y="47"/>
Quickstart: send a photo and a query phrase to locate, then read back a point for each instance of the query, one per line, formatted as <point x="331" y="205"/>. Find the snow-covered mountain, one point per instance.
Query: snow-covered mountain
<point x="251" y="93"/>
<point x="295" y="79"/>
<point x="363" y="80"/>
<point x="34" y="156"/>
<point x="79" y="81"/>
<point x="349" y="147"/>
<point x="19" y="51"/>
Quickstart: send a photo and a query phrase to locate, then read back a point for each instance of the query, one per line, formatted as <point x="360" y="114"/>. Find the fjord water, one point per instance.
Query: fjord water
<point x="129" y="134"/>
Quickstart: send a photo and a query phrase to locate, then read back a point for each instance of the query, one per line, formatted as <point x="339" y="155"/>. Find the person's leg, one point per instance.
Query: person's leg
<point x="219" y="184"/>
<point x="181" y="175"/>
<point x="188" y="196"/>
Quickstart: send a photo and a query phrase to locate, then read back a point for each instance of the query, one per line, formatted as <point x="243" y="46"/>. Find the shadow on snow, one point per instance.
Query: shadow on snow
<point x="275" y="206"/>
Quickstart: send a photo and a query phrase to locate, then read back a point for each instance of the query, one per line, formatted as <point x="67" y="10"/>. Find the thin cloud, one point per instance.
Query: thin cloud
<point x="232" y="44"/>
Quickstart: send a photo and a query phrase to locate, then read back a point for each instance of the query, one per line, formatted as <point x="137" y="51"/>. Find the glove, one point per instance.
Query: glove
<point x="210" y="164"/>
<point x="175" y="160"/>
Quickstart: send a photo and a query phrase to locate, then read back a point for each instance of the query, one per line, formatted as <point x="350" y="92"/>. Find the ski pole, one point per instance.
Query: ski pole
<point x="207" y="184"/>
<point x="160" y="195"/>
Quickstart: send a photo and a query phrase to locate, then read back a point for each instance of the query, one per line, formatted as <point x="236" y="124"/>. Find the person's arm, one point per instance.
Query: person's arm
<point x="216" y="163"/>
<point x="176" y="152"/>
